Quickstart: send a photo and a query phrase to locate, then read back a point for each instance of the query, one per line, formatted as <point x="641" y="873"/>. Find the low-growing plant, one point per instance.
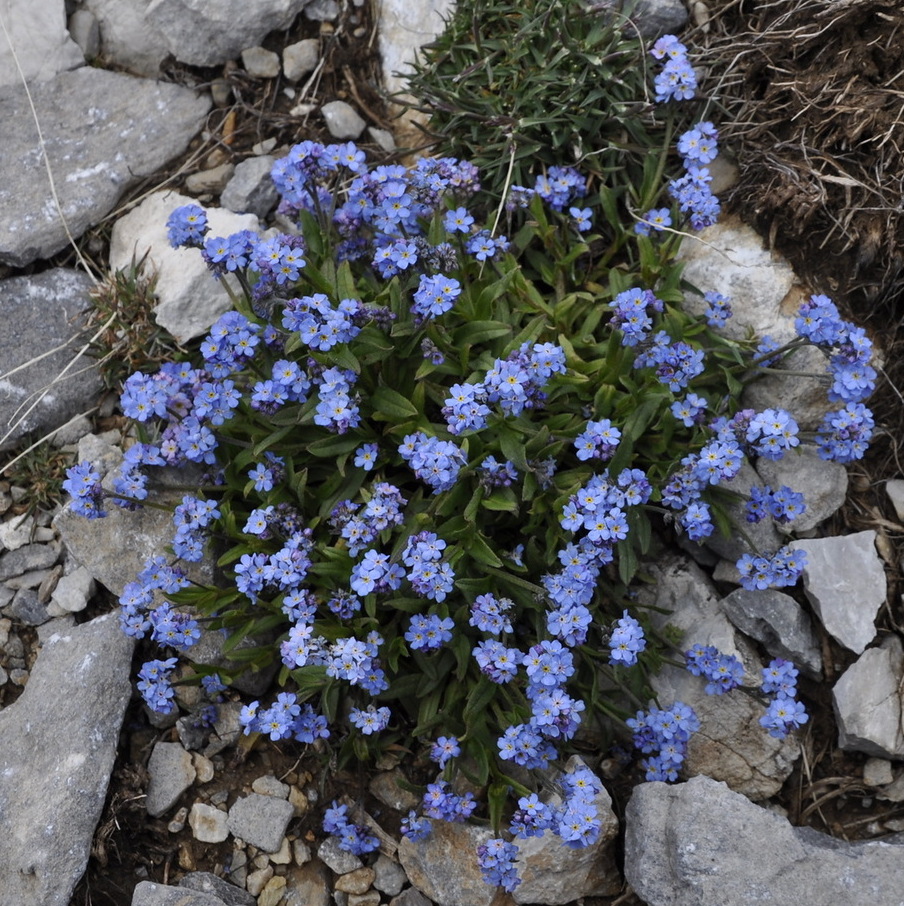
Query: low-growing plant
<point x="434" y="457"/>
<point x="549" y="83"/>
<point x="132" y="340"/>
<point x="41" y="470"/>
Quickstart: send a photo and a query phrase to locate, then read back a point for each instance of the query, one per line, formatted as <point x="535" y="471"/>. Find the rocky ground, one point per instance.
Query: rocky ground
<point x="103" y="804"/>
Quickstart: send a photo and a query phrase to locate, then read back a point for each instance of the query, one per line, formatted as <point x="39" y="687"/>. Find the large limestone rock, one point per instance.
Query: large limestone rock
<point x="101" y="131"/>
<point x="730" y="745"/>
<point x="404" y="29"/>
<point x="57" y="746"/>
<point x="444" y="867"/>
<point x="698" y="842"/>
<point x="555" y="874"/>
<point x="845" y="582"/>
<point x="34" y="43"/>
<point x="43" y="382"/>
<point x="209" y="32"/>
<point x="867" y="701"/>
<point x="190" y="299"/>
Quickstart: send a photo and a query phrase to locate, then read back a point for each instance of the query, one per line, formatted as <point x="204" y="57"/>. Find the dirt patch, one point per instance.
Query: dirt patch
<point x="813" y="93"/>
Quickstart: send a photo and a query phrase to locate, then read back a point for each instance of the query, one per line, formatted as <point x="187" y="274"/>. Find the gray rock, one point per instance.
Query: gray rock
<point x="308" y="885"/>
<point x="555" y="874"/>
<point x="261" y="820"/>
<point x="57" y="746"/>
<point x="698" y="842"/>
<point x="681" y="596"/>
<point x="386" y="786"/>
<point x="213" y="180"/>
<point x="301" y="58"/>
<point x="36" y="31"/>
<point x="27" y="558"/>
<point x="730" y="745"/>
<point x="845" y="582"/>
<point x="16" y="532"/>
<point x="404" y="28"/>
<point x="27" y="609"/>
<point x="84" y="29"/>
<point x="371" y="898"/>
<point x="73" y="591"/>
<point x="40" y="391"/>
<point x="260" y="63"/>
<point x="208" y="823"/>
<point x="823" y="484"/>
<point x="97" y="544"/>
<point x="190" y="298"/>
<point x="894" y="488"/>
<point x="268" y="785"/>
<point x="652" y="17"/>
<point x="389" y="876"/>
<point x="410" y="897"/>
<point x="251" y="189"/>
<point x="779" y="624"/>
<point x="103" y="451"/>
<point x="337" y="859"/>
<point x="383" y="138"/>
<point x="867" y="702"/>
<point x="127" y="38"/>
<point x="322" y="10"/>
<point x="443" y="866"/>
<point x="802" y="391"/>
<point x="147" y="893"/>
<point x="342" y="120"/>
<point x="731" y="259"/>
<point x="210" y="32"/>
<point x="102" y="132"/>
<point x="205" y="882"/>
<point x="209" y="650"/>
<point x="171" y="773"/>
<point x="356" y="882"/>
<point x="877" y="772"/>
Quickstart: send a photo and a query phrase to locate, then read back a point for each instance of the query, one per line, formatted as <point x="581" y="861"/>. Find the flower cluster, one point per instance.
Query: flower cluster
<point x="783" y="568"/>
<point x="284" y="719"/>
<point x="677" y="79"/>
<point x="496" y="859"/>
<point x="783" y="505"/>
<point x="357" y="839"/>
<point x="515" y="384"/>
<point x="627" y="641"/>
<point x="430" y="484"/>
<point x="784" y="712"/>
<point x="662" y="735"/>
<point x="692" y="192"/>
<point x="723" y="672"/>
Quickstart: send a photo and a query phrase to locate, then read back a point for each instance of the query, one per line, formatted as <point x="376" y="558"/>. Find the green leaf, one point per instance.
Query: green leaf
<point x="513" y="448"/>
<point x="502" y="500"/>
<point x="335" y="445"/>
<point x="475" y="332"/>
<point x="390" y="402"/>
<point x="480" y="697"/>
<point x="482" y="552"/>
<point x="497" y="796"/>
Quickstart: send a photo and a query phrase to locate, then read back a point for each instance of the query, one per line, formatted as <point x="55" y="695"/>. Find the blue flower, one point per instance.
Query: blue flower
<point x="371" y="719"/>
<point x="582" y="218"/>
<point x="627" y="641"/>
<point x="444" y="749"/>
<point x="366" y="456"/>
<point x="496" y="860"/>
<point x="655" y="219"/>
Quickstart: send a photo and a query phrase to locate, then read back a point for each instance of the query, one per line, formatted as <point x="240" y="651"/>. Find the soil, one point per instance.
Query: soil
<point x="813" y="98"/>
